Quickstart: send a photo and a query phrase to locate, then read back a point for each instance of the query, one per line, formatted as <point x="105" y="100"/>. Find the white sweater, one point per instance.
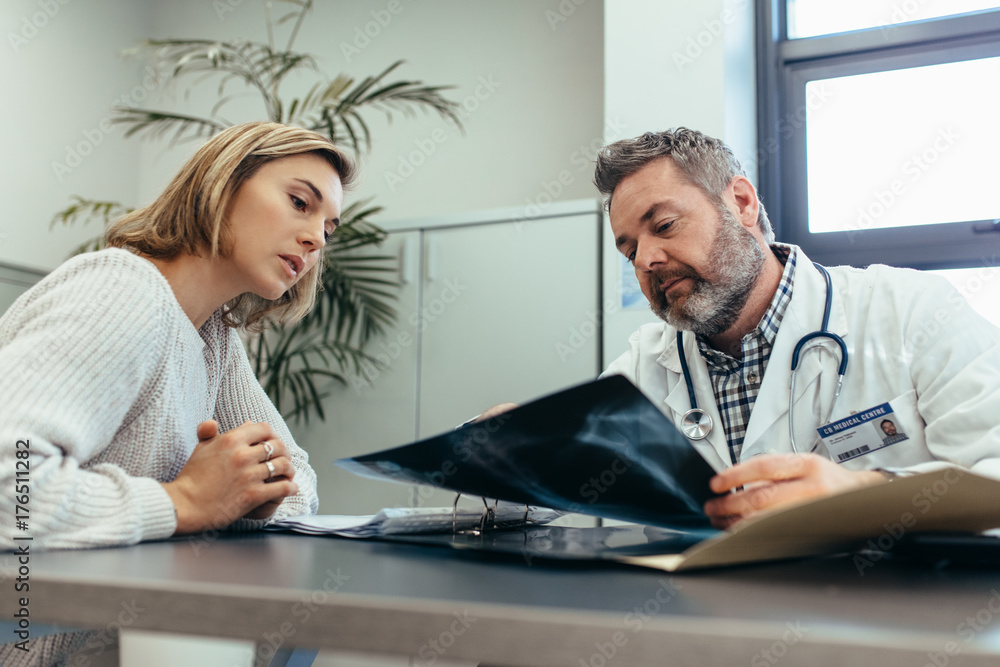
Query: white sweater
<point x="105" y="377"/>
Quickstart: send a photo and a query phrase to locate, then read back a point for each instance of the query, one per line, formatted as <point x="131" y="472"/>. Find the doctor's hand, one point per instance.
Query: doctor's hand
<point x="775" y="480"/>
<point x="227" y="477"/>
<point x="496" y="411"/>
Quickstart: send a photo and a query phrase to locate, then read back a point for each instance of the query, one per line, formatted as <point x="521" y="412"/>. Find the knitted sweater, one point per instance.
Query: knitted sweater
<point x="104" y="377"/>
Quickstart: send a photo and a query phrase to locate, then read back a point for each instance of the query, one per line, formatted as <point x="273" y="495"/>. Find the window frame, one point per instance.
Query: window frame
<point x="785" y="66"/>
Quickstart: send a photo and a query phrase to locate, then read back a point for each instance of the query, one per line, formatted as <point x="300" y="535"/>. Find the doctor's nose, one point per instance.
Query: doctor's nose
<point x="649" y="256"/>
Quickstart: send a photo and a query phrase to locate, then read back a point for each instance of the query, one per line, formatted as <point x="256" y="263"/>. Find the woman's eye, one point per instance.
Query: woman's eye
<point x="298" y="203"/>
<point x="326" y="235"/>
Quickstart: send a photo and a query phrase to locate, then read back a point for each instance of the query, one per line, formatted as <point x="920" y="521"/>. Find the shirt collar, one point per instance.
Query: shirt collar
<point x="768" y="326"/>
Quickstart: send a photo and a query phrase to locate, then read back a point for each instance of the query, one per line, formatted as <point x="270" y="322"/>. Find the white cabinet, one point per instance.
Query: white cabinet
<point x="500" y="302"/>
<point x="373" y="411"/>
<point x="13" y="282"/>
<point x="491" y="310"/>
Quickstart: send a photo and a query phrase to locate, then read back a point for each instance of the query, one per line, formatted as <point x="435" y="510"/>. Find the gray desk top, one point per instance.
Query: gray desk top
<point x="434" y="603"/>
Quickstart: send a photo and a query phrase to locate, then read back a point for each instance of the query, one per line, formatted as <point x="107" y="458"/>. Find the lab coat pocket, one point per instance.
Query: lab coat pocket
<point x="902" y="437"/>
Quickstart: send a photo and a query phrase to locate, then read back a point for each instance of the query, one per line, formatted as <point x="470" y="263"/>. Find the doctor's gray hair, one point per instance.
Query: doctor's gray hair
<point x="708" y="163"/>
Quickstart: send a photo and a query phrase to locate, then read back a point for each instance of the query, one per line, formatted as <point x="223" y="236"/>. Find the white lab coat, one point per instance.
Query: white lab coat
<point x="913" y="341"/>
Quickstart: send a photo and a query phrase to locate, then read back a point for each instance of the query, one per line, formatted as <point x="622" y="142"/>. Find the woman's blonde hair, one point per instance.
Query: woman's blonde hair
<point x="190" y="215"/>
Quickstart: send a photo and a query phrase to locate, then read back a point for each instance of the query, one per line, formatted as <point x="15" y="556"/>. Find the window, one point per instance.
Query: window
<point x="877" y="131"/>
<point x="810" y="18"/>
<point x="980" y="287"/>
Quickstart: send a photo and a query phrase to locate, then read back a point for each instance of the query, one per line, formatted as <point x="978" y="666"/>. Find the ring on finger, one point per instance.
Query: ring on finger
<point x="268" y="451"/>
<point x="270" y="469"/>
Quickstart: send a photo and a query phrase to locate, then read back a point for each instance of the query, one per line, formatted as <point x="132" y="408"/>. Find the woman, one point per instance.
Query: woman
<point x="124" y="379"/>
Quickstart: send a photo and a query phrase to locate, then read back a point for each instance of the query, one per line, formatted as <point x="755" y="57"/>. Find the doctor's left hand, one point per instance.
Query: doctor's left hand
<point x="774" y="480"/>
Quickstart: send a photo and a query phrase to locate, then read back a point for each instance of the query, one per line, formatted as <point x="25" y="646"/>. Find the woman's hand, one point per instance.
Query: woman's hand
<point x="227" y="477"/>
<point x="774" y="480"/>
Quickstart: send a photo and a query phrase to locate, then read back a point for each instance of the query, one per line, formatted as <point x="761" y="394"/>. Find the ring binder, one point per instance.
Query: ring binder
<point x="489" y="519"/>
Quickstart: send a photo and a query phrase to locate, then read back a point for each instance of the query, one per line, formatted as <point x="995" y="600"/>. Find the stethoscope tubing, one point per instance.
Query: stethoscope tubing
<point x="698" y="424"/>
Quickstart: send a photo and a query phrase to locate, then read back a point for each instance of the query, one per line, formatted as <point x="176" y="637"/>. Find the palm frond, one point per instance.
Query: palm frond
<point x="356" y="227"/>
<point x="305" y="6"/>
<point x="90" y="245"/>
<point x="414" y="93"/>
<point x="319" y="96"/>
<point x="85" y="211"/>
<point x="355" y="302"/>
<point x="286" y="370"/>
<point x="297" y="365"/>
<point x="336" y="110"/>
<point x="352" y="306"/>
<point x="255" y="64"/>
<point x="273" y="66"/>
<point x="157" y="124"/>
<point x="302" y="6"/>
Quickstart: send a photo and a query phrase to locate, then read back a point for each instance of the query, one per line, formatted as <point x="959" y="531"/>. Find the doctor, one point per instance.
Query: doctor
<point x="735" y="304"/>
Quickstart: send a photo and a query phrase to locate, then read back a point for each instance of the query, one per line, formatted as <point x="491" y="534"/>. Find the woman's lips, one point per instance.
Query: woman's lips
<point x="293" y="264"/>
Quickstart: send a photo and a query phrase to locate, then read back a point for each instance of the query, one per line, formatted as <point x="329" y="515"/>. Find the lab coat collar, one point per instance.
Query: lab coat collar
<point x="803" y="316"/>
<point x="678" y="402"/>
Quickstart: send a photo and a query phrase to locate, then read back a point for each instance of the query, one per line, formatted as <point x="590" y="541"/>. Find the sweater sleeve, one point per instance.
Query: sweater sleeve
<point x="241" y="399"/>
<point x="76" y="351"/>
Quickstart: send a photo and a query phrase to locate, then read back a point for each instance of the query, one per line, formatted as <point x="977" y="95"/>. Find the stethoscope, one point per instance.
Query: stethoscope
<point x="697" y="424"/>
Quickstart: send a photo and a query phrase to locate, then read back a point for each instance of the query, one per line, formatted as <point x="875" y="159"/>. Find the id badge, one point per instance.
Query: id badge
<point x="861" y="433"/>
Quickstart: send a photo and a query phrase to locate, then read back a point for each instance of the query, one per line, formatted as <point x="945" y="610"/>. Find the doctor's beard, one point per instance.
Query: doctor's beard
<point x="713" y="304"/>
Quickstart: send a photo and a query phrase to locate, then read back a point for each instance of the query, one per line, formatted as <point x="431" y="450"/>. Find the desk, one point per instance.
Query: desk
<point x="434" y="603"/>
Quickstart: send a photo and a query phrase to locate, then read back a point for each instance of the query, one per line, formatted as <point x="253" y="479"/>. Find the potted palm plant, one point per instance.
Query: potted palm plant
<point x="296" y="365"/>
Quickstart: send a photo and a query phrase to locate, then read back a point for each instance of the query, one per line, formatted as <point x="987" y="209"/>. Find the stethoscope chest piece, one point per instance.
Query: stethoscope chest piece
<point x="696" y="424"/>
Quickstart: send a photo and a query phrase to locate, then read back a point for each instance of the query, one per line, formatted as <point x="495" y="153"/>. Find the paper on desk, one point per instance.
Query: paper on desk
<point x="952" y="500"/>
<point x="413" y="521"/>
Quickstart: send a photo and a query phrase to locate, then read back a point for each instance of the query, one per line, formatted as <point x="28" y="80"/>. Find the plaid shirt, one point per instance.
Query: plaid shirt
<point x="736" y="382"/>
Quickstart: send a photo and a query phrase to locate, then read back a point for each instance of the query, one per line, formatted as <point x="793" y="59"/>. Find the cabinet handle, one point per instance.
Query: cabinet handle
<point x="407" y="261"/>
<point x="431" y="260"/>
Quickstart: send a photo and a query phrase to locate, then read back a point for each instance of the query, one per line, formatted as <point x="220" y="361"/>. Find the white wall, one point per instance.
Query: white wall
<point x="542" y="105"/>
<point x="61" y="70"/>
<point x="543" y="98"/>
<point x="670" y="64"/>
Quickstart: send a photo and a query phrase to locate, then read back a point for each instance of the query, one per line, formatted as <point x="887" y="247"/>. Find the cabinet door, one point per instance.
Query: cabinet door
<point x="13" y="283"/>
<point x="375" y="411"/>
<point x="8" y="294"/>
<point x="509" y="312"/>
